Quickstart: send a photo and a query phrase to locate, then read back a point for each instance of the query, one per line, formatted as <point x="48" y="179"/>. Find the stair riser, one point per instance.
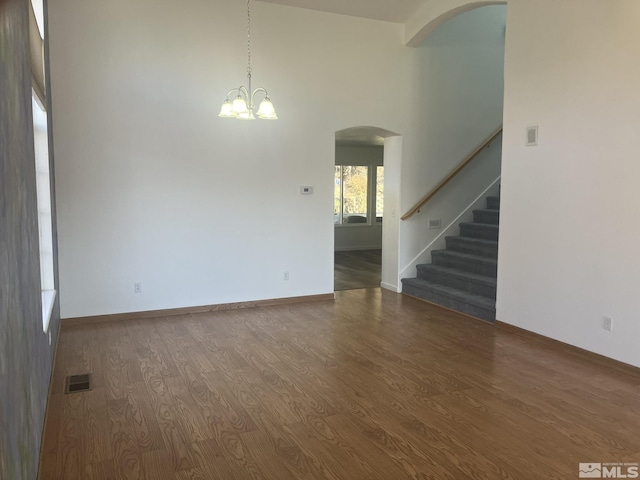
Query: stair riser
<point x="492" y="217"/>
<point x="445" y="301"/>
<point x="475" y="231"/>
<point x="493" y="203"/>
<point x="456" y="244"/>
<point x="466" y="285"/>
<point x="488" y="269"/>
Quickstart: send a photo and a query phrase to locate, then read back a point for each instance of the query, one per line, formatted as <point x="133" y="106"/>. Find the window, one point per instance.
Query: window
<point x="41" y="144"/>
<point x="41" y="147"/>
<point x="354" y="192"/>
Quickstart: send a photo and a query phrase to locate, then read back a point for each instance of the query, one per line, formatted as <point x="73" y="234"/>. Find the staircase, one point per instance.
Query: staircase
<point x="463" y="276"/>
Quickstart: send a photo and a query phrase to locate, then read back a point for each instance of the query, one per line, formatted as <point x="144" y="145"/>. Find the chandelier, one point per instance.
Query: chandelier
<point x="242" y="106"/>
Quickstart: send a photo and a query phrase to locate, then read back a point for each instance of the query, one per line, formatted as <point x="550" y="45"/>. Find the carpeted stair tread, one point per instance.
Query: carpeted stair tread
<point x="478" y="241"/>
<point x="486" y="215"/>
<point x="493" y="211"/>
<point x="473" y="305"/>
<point x="482" y="241"/>
<point x="487" y="231"/>
<point x="469" y="282"/>
<point x="482" y="265"/>
<point x="472" y="245"/>
<point x="465" y="256"/>
<point x="488" y="226"/>
<point x="487" y="280"/>
<point x="477" y="300"/>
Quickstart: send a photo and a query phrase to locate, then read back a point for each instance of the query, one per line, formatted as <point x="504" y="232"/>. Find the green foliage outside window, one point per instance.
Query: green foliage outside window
<point x="352" y="195"/>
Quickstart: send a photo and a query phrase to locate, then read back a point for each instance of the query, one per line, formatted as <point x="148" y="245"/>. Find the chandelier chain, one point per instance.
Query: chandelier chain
<point x="248" y="36"/>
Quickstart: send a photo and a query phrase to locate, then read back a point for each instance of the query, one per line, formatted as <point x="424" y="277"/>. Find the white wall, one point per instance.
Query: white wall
<point x="359" y="236"/>
<point x="569" y="230"/>
<point x="153" y="187"/>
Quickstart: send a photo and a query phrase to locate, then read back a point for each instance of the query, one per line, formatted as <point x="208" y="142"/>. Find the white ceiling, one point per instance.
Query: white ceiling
<point x="388" y="10"/>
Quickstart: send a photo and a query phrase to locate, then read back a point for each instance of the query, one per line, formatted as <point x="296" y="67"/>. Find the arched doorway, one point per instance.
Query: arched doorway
<point x="427" y="20"/>
<point x="365" y="211"/>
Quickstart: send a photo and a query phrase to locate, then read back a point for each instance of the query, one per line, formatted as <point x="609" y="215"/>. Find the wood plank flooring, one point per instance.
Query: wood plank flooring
<point x="373" y="386"/>
<point x="357" y="269"/>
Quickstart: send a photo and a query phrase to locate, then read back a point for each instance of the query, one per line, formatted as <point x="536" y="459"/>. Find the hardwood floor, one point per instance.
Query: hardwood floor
<point x="373" y="386"/>
<point x="357" y="269"/>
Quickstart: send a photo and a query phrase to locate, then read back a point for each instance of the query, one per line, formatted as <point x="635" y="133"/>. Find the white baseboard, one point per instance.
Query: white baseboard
<point x="393" y="288"/>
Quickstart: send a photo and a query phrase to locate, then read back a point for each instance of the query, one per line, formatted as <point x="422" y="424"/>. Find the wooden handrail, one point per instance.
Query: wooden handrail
<point x="449" y="177"/>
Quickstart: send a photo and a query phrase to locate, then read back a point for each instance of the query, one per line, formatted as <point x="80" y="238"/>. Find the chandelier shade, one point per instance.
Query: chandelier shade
<point x="266" y="110"/>
<point x="239" y="105"/>
<point x="226" y="110"/>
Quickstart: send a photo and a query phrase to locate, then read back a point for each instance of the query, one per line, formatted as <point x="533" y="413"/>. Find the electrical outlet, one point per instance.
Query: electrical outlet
<point x="137" y="287"/>
<point x="286" y="275"/>
<point x="607" y="324"/>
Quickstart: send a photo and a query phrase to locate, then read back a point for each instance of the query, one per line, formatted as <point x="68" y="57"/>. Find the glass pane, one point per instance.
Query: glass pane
<point x="336" y="195"/>
<point x="354" y="191"/>
<point x="379" y="193"/>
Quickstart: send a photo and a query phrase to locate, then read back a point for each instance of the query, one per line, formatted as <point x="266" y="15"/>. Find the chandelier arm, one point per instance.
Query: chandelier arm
<point x="242" y="89"/>
<point x="231" y="91"/>
<point x="257" y="90"/>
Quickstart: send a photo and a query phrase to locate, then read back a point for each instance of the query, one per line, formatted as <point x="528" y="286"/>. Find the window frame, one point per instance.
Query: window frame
<point x="42" y="159"/>
<point x="45" y="214"/>
<point x="372" y="185"/>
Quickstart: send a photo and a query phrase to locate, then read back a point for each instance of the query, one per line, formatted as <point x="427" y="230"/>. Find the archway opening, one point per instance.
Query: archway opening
<point x="364" y="209"/>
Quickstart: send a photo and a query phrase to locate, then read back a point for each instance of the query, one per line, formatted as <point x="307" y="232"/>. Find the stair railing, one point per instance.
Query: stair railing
<point x="451" y="175"/>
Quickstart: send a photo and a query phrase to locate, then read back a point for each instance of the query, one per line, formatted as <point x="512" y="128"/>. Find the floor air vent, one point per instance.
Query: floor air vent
<point x="78" y="383"/>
